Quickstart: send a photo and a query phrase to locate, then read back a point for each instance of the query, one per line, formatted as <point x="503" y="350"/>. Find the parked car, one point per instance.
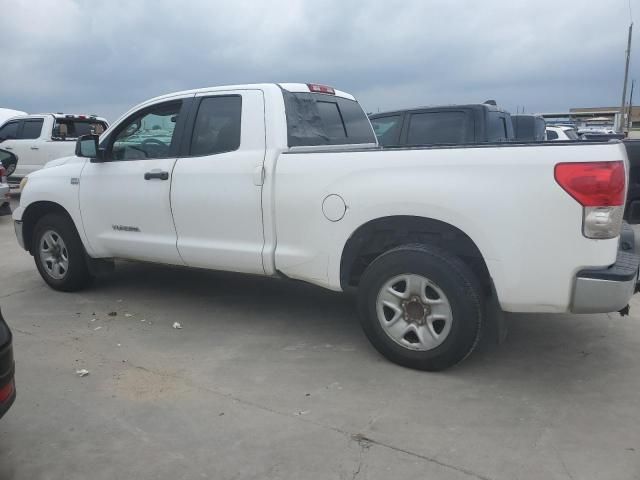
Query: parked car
<point x="286" y="180"/>
<point x="557" y="133"/>
<point x="444" y="125"/>
<point x="7" y="368"/>
<point x="36" y="139"/>
<point x="528" y="128"/>
<point x="5" y="193"/>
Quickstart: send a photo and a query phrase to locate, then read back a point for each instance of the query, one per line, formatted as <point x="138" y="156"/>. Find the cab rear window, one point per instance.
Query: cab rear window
<point x="320" y="119"/>
<point x="71" y="129"/>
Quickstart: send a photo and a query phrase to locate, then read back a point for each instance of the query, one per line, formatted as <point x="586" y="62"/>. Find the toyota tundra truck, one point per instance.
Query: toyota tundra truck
<point x="287" y="181"/>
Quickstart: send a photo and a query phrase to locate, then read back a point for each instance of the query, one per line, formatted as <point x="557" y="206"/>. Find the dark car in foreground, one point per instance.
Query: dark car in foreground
<point x="7" y="368"/>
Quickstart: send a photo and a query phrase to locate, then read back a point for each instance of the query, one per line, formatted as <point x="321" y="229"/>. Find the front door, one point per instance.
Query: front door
<point x="125" y="200"/>
<point x="217" y="183"/>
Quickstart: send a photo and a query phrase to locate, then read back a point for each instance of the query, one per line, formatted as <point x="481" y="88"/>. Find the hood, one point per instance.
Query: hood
<point x="59" y="161"/>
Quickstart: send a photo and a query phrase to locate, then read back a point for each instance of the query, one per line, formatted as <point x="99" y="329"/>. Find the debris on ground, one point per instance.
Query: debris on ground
<point x="112" y="314"/>
<point x="303" y="412"/>
<point x="177" y="325"/>
<point x="119" y="344"/>
<point x="83" y="372"/>
<point x="128" y="315"/>
<point x="97" y="328"/>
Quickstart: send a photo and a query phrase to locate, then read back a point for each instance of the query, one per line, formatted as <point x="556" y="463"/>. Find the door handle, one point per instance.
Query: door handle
<point x="158" y="175"/>
<point x="8" y="148"/>
<point x="35" y="148"/>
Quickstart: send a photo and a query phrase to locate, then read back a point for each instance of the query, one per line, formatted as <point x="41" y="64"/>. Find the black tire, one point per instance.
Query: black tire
<point x="453" y="277"/>
<point x="77" y="275"/>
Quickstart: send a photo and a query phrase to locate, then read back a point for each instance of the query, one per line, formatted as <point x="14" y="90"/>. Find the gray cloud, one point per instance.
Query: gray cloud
<point x="103" y="57"/>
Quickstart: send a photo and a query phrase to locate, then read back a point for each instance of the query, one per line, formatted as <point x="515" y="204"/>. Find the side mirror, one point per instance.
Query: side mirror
<point x="87" y="147"/>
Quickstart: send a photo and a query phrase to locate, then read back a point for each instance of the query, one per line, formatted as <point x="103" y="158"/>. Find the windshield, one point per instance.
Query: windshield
<point x="319" y="119"/>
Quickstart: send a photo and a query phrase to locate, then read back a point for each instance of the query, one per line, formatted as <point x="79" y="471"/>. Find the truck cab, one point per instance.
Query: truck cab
<point x="443" y="125"/>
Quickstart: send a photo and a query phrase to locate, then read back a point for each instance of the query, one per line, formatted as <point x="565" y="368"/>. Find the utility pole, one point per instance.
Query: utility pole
<point x="629" y="121"/>
<point x="626" y="77"/>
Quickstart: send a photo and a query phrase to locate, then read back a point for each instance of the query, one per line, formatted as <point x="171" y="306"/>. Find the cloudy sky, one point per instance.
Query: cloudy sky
<point x="105" y="56"/>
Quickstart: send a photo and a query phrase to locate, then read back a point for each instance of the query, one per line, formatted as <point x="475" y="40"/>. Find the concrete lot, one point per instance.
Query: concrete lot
<point x="274" y="379"/>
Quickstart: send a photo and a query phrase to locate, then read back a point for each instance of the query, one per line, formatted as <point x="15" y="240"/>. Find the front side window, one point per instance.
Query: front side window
<point x="9" y="131"/>
<point x="386" y="129"/>
<point x="217" y="128"/>
<point x="147" y="135"/>
<point x="437" y="128"/>
<point x="31" y="129"/>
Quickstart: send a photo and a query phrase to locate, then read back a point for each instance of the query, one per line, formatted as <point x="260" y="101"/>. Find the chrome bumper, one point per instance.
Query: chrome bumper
<point x="17" y="225"/>
<point x="604" y="290"/>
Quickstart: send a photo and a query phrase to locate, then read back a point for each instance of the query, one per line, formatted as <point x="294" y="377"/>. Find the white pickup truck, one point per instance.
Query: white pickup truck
<point x="36" y="139"/>
<point x="286" y="180"/>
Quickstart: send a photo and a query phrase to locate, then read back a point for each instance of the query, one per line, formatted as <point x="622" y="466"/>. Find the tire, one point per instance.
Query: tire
<point x="428" y="293"/>
<point x="55" y="236"/>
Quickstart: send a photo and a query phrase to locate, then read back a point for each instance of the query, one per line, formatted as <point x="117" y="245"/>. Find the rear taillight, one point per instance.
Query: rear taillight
<point x="600" y="188"/>
<point x="6" y="392"/>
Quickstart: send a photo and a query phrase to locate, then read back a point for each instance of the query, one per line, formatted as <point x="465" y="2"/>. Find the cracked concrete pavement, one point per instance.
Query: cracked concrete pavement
<point x="274" y="380"/>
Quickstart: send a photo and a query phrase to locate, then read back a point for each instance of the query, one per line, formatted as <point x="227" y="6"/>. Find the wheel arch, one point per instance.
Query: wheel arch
<point x="34" y="212"/>
<point x="379" y="235"/>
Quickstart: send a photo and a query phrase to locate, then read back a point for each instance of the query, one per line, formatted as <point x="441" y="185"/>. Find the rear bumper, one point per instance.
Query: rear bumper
<point x="604" y="290"/>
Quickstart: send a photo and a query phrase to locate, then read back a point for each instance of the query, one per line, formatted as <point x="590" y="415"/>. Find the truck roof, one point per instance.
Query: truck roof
<point x="290" y="87"/>
<point x="470" y="106"/>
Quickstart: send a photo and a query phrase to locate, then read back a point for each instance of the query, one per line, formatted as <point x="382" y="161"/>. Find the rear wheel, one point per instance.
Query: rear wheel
<point x="59" y="253"/>
<point x="420" y="306"/>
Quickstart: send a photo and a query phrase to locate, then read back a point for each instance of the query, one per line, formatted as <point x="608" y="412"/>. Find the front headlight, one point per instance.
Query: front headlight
<point x="23" y="183"/>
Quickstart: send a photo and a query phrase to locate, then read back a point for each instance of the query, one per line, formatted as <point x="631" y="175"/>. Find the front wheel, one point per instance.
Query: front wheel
<point x="421" y="307"/>
<point x="59" y="253"/>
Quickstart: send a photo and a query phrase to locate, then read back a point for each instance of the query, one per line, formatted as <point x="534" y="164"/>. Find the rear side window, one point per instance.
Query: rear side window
<point x="9" y="131"/>
<point x="437" y="128"/>
<point x="31" y="129"/>
<point x="551" y="135"/>
<point x="218" y="126"/>
<point x="319" y="119"/>
<point x="387" y="129"/>
<point x="71" y="129"/>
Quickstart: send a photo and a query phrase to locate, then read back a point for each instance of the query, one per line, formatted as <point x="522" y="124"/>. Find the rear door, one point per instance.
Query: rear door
<point x="217" y="183"/>
<point x="30" y="147"/>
